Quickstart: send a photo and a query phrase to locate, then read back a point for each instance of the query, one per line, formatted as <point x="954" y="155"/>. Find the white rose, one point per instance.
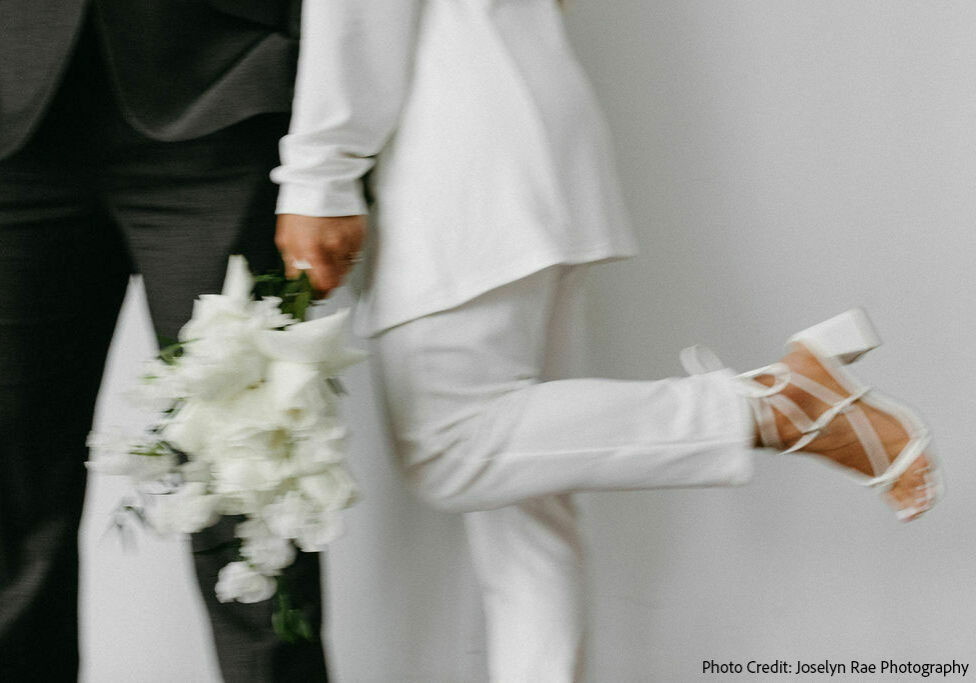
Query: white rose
<point x="215" y="315"/>
<point x="239" y="581"/>
<point x="294" y="516"/>
<point x="266" y="314"/>
<point x="287" y="515"/>
<point x="240" y="475"/>
<point x="251" y="528"/>
<point x="227" y="446"/>
<point x="218" y="366"/>
<point x="268" y="553"/>
<point x="216" y="310"/>
<point x="188" y="510"/>
<point x="315" y="451"/>
<point x="190" y="427"/>
<point x="298" y="394"/>
<point x="316" y="535"/>
<point x="331" y="489"/>
<point x="220" y="430"/>
<point x="244" y="502"/>
<point x="247" y="415"/>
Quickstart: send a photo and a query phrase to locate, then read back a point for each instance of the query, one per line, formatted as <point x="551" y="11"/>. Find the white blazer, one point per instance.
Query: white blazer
<point x="489" y="153"/>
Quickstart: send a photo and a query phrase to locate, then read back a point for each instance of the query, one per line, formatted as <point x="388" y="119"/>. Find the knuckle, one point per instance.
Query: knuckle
<point x="333" y="238"/>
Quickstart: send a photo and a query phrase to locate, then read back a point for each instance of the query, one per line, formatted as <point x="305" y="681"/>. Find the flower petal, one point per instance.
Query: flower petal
<point x="238" y="281"/>
<point x="313" y="341"/>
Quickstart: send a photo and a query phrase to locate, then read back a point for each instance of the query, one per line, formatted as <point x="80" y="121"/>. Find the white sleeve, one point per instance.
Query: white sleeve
<point x="353" y="70"/>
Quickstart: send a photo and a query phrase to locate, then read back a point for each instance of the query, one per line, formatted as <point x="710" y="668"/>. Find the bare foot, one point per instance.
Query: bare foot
<point x="912" y="493"/>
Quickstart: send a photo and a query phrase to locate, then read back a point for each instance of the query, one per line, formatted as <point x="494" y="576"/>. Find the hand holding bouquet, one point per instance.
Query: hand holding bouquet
<point x="248" y="425"/>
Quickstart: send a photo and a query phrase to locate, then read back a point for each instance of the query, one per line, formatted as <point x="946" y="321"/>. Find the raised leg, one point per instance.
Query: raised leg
<point x="482" y="426"/>
<point x="475" y="426"/>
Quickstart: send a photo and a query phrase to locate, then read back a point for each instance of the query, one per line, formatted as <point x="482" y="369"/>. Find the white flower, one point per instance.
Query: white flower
<point x="331" y="489"/>
<point x="111" y="454"/>
<point x="188" y="430"/>
<point x="241" y="475"/>
<point x="110" y="442"/>
<point x="195" y="471"/>
<point x="287" y="515"/>
<point x="265" y="551"/>
<point x="298" y="394"/>
<point x="260" y="425"/>
<point x="139" y="468"/>
<point x="251" y="528"/>
<point x="239" y="581"/>
<point x="245" y="425"/>
<point x="316" y="342"/>
<point x="186" y="511"/>
<point x="294" y="516"/>
<point x="318" y="534"/>
<point x="265" y="314"/>
<point x="316" y="451"/>
<point x="238" y="281"/>
<point x="159" y="389"/>
<point x="218" y="366"/>
<point x="244" y="502"/>
<point x="214" y="315"/>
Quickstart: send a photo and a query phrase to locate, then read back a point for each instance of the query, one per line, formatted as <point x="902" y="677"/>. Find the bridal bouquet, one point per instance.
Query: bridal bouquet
<point x="247" y="425"/>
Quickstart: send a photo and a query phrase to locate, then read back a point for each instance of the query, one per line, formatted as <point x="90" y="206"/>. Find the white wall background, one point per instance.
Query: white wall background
<point x="783" y="160"/>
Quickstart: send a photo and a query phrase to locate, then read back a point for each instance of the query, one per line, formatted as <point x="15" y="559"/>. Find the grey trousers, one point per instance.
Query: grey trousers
<point x="86" y="203"/>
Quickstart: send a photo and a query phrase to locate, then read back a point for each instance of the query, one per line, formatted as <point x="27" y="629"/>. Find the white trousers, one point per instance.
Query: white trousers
<point x="484" y="423"/>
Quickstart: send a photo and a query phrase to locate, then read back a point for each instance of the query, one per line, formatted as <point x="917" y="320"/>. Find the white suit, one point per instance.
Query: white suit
<point x="493" y="184"/>
<point x="491" y="155"/>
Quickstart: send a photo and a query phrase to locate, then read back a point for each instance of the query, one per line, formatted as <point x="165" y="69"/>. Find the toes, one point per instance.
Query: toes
<point x="908" y="514"/>
<point x="914" y="492"/>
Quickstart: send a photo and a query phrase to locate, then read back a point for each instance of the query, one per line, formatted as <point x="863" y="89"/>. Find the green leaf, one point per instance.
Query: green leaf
<point x="300" y="305"/>
<point x="169" y="354"/>
<point x="220" y="547"/>
<point x="295" y="295"/>
<point x="290" y="623"/>
<point x="165" y="341"/>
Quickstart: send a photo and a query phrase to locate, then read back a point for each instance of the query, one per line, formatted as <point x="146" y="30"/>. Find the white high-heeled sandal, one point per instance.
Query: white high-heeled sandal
<point x="835" y="342"/>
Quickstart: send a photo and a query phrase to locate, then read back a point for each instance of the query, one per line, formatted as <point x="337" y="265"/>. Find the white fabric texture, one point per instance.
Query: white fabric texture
<point x="481" y="424"/>
<point x="490" y="156"/>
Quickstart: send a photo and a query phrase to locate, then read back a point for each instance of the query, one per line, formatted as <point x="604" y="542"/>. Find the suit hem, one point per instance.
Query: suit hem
<point x="376" y="312"/>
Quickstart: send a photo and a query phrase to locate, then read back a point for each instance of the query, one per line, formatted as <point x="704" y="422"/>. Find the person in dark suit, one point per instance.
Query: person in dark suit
<point x="136" y="136"/>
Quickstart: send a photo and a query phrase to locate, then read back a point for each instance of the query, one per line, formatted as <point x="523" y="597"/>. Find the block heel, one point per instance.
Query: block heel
<point x="845" y="337"/>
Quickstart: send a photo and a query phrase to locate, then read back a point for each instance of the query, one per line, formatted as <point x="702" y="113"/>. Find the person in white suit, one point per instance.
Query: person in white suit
<point x="471" y="126"/>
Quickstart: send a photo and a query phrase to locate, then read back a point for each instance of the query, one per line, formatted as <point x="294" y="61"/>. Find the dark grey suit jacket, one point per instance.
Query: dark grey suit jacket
<point x="181" y="68"/>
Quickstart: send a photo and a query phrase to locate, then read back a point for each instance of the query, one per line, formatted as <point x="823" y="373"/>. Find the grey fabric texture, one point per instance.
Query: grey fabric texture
<point x="85" y="202"/>
<point x="181" y="69"/>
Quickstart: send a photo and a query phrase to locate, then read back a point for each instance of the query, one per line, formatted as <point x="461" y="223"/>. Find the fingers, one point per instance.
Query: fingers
<point x="294" y="266"/>
<point x="914" y="493"/>
<point x="330" y="262"/>
<point x="325" y="274"/>
<point x="324" y="247"/>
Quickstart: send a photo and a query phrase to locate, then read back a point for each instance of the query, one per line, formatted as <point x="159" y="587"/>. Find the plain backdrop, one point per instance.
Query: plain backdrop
<point x="783" y="160"/>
